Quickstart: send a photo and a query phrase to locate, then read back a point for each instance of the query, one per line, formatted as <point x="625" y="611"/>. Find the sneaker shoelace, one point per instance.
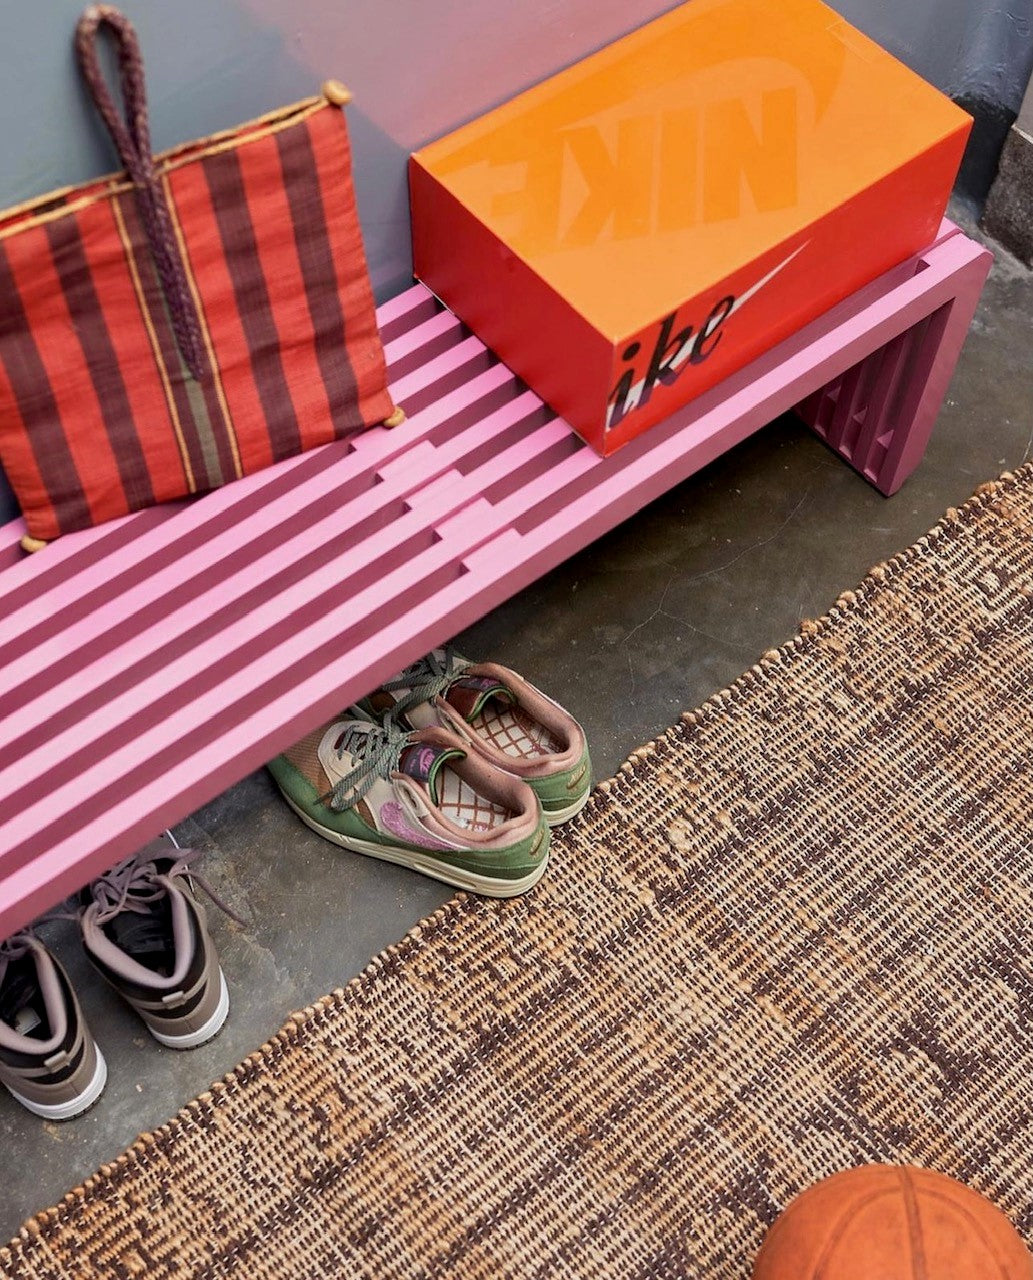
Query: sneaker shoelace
<point x="377" y="749"/>
<point x="424" y="679"/>
<point x="136" y="885"/>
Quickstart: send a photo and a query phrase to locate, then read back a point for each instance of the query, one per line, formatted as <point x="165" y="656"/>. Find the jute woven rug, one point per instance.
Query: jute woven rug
<point x="792" y="935"/>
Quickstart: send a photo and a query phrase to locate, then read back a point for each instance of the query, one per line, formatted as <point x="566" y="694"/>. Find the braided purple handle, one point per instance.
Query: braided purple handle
<point x="132" y="138"/>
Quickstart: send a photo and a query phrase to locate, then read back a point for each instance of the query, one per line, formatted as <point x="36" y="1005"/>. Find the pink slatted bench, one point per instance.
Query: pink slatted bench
<point x="151" y="663"/>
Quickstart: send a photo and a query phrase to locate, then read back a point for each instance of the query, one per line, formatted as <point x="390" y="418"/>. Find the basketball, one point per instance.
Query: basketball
<point x="889" y="1222"/>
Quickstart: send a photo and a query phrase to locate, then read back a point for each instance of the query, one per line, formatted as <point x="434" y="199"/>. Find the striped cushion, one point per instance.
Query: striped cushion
<point x="99" y="415"/>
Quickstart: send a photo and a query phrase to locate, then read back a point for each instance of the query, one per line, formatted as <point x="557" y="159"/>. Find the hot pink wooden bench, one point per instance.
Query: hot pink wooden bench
<point x="149" y="664"/>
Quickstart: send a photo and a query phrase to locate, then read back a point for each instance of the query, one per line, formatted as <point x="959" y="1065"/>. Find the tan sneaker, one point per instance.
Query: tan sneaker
<point x="49" y="1061"/>
<point x="500" y="716"/>
<point x="147" y="936"/>
<point x="421" y="800"/>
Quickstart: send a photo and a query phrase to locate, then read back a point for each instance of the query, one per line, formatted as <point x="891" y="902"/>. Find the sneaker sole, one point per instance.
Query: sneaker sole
<point x="74" y="1106"/>
<point x="555" y="816"/>
<point x="468" y="880"/>
<point x="203" y="1034"/>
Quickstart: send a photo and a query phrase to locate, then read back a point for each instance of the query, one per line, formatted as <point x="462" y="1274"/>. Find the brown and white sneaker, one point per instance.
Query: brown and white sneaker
<point x="49" y="1061"/>
<point x="147" y="935"/>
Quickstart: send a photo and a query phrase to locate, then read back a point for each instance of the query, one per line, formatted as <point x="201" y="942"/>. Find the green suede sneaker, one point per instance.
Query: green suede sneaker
<point x="504" y="719"/>
<point x="419" y="799"/>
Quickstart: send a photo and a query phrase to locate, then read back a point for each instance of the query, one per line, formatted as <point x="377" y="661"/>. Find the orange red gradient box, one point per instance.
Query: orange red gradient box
<point x="629" y="232"/>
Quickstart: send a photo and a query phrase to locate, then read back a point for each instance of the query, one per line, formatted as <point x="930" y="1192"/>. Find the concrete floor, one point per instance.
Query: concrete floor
<point x="649" y="621"/>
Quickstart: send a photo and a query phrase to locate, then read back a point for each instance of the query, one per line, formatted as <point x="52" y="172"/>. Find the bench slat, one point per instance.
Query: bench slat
<point x="94" y="655"/>
<point x="78" y="561"/>
<point x="156" y="563"/>
<point x="206" y="669"/>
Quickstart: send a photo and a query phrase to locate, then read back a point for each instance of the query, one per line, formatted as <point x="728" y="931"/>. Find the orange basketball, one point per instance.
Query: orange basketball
<point x="889" y="1222"/>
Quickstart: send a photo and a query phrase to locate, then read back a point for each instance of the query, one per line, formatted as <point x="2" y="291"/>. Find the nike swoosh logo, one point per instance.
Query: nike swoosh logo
<point x="755" y="289"/>
<point x="577" y="779"/>
<point x="742" y="299"/>
<point x="394" y="820"/>
<point x="686" y="351"/>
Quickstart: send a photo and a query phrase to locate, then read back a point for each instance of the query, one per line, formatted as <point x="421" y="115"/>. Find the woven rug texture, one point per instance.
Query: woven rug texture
<point x="790" y="936"/>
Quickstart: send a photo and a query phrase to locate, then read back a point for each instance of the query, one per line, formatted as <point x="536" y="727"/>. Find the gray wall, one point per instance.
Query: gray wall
<point x="970" y="48"/>
<point x="417" y="68"/>
<point x="978" y="51"/>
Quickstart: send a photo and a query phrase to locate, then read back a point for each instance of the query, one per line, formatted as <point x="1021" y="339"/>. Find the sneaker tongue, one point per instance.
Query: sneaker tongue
<point x="469" y="695"/>
<point x="382" y="701"/>
<point x="19" y="991"/>
<point x="146" y="936"/>
<point x="423" y="761"/>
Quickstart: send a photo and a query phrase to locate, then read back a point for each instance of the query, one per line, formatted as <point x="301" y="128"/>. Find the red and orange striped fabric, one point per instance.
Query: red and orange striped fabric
<point x="99" y="413"/>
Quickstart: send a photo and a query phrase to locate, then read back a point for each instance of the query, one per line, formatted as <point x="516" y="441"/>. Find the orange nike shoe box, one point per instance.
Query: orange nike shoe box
<point x="639" y="226"/>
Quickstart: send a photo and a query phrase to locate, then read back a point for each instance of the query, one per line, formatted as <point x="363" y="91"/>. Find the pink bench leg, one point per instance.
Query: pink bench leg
<point x="879" y="414"/>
